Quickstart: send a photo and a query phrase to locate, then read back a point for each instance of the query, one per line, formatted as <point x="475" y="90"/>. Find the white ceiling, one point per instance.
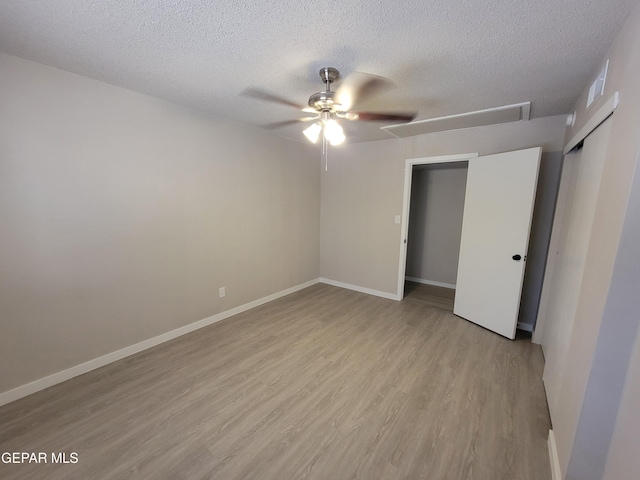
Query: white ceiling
<point x="445" y="56"/>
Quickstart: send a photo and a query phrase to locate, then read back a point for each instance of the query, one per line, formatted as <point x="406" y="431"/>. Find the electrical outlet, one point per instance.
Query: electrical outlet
<point x="221" y="292"/>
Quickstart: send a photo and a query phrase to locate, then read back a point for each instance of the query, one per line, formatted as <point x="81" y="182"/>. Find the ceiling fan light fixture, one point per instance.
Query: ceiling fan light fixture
<point x="313" y="132"/>
<point x="337" y="140"/>
<point x="333" y="132"/>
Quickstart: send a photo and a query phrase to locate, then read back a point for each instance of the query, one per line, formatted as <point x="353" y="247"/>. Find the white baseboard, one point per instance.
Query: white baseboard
<point x="59" y="377"/>
<point x="430" y="282"/>
<point x="369" y="291"/>
<point x="553" y="457"/>
<point x="527" y="327"/>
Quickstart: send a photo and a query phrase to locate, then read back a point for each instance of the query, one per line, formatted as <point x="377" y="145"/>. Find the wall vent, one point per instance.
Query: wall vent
<point x="597" y="87"/>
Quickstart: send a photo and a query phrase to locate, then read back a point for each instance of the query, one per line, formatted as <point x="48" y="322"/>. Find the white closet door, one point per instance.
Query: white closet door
<point x="495" y="235"/>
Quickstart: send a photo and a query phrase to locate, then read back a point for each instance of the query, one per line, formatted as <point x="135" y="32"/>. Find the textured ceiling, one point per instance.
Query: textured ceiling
<point x="445" y="56"/>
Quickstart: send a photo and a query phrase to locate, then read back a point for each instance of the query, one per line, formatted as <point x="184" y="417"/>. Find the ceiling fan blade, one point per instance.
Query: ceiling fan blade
<point x="359" y="87"/>
<point x="269" y="97"/>
<point x="382" y="117"/>
<point x="271" y="126"/>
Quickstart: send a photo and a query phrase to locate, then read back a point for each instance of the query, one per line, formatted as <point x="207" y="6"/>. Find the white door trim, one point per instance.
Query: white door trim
<point x="406" y="198"/>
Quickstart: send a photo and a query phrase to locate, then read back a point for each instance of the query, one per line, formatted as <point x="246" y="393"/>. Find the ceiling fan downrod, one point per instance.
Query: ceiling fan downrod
<point x="328" y="76"/>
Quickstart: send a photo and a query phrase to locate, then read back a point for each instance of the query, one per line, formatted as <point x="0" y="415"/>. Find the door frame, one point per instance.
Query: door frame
<point x="406" y="200"/>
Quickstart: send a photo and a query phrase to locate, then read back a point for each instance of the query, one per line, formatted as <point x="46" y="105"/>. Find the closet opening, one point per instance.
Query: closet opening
<point x="434" y="232"/>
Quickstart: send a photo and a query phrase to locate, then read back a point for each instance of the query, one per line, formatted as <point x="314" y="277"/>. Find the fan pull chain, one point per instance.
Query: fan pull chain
<point x="325" y="152"/>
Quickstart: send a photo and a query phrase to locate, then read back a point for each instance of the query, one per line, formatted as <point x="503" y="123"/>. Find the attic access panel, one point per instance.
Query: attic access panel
<point x="491" y="116"/>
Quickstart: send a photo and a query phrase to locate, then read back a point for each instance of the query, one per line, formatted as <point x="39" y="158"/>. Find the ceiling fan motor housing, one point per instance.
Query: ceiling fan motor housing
<point x="322" y="101"/>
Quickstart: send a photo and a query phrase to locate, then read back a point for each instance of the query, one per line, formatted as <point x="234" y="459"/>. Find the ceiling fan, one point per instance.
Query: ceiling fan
<point x="328" y="106"/>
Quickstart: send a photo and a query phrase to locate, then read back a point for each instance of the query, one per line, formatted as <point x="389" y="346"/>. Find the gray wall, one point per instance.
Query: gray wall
<point x="435" y="222"/>
<point x="590" y="332"/>
<point x="361" y="194"/>
<point x="122" y="215"/>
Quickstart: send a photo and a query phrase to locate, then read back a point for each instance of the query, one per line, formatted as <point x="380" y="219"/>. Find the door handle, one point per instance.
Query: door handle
<point x="517" y="257"/>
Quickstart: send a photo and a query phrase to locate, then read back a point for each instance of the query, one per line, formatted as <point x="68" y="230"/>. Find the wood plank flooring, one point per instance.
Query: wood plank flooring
<point x="430" y="295"/>
<point x="323" y="384"/>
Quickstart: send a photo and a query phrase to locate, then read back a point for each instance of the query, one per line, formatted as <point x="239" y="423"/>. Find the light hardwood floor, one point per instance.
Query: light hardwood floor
<point x="323" y="384"/>
<point x="430" y="295"/>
